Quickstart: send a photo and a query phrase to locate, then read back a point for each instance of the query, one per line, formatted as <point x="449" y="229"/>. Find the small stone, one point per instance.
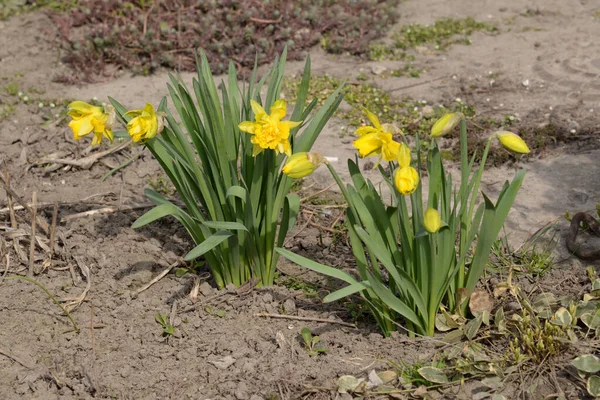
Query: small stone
<point x="231" y="287"/>
<point x="224" y="362"/>
<point x="267" y="298"/>
<point x="289" y="306"/>
<point x="427" y="111"/>
<point x="525" y="83"/>
<point x="241" y="391"/>
<point x="378" y="69"/>
<point x="205" y="289"/>
<point x="125" y="372"/>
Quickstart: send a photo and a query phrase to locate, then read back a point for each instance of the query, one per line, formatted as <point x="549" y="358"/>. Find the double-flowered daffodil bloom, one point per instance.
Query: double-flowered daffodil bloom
<point x="268" y="130"/>
<point x="406" y="178"/>
<point x="145" y="124"/>
<point x="432" y="220"/>
<point x="445" y="124"/>
<point x="376" y="139"/>
<point x="300" y="165"/>
<point x="87" y="118"/>
<point x="512" y="142"/>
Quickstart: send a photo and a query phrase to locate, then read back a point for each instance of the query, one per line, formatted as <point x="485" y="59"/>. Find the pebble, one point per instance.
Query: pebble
<point x="378" y="69"/>
<point x="125" y="372"/>
<point x="525" y="83"/>
<point x="289" y="306"/>
<point x="267" y="298"/>
<point x="427" y="111"/>
<point x="241" y="392"/>
<point x="205" y="289"/>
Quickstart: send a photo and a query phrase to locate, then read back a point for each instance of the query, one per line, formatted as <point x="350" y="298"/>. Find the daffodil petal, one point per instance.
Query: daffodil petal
<point x="403" y="155"/>
<point x="390" y="150"/>
<point x="257" y="108"/>
<point x="373" y="118"/>
<point x="279" y="109"/>
<point x="364" y="130"/>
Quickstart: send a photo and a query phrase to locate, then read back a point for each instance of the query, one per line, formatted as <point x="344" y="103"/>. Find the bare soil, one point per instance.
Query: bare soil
<point x="543" y="67"/>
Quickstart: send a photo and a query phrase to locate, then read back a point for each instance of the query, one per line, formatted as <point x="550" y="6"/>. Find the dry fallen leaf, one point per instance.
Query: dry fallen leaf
<point x="480" y="301"/>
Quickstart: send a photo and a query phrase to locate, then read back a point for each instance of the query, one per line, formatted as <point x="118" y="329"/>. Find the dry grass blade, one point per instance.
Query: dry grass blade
<point x="76" y="302"/>
<point x="15" y="358"/>
<point x="325" y="320"/>
<point x="33" y="227"/>
<point x="11" y="193"/>
<point x="105" y="210"/>
<point x="156" y="279"/>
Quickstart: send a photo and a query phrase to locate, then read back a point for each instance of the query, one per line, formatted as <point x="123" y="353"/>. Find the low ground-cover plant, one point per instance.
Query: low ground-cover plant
<point x="223" y="152"/>
<point x="413" y="256"/>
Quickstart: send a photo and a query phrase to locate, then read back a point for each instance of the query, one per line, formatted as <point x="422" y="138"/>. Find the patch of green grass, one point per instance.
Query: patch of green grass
<point x="442" y="34"/>
<point x="408" y="70"/>
<point x="405" y="114"/>
<point x="294" y="283"/>
<point x="535" y="257"/>
<point x="9" y="8"/>
<point x="162" y="185"/>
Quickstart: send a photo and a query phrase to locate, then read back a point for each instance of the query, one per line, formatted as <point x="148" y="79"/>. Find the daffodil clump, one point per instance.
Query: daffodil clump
<point x="231" y="162"/>
<point x="411" y="256"/>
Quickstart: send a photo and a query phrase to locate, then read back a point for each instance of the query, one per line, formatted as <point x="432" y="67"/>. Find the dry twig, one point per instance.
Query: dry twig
<point x="157" y="278"/>
<point x="86" y="162"/>
<point x="295" y="317"/>
<point x="33" y="227"/>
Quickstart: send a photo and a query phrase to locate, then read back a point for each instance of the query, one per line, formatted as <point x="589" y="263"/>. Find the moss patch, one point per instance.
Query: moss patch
<point x="439" y="36"/>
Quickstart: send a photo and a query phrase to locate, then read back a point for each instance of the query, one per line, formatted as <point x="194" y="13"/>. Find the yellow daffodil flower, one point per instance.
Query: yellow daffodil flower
<point x="145" y="125"/>
<point x="432" y="220"/>
<point x="406" y="180"/>
<point x="87" y="118"/>
<point x="376" y="139"/>
<point x="512" y="142"/>
<point x="300" y="165"/>
<point x="268" y="130"/>
<point x="445" y="124"/>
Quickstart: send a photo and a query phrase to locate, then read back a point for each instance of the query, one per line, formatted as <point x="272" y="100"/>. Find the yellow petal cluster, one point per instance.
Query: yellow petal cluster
<point x="376" y="139"/>
<point x="445" y="124"/>
<point x="300" y="165"/>
<point x="145" y="124"/>
<point x="432" y="220"/>
<point x="406" y="178"/>
<point x="268" y="130"/>
<point x="87" y="118"/>
<point x="512" y="142"/>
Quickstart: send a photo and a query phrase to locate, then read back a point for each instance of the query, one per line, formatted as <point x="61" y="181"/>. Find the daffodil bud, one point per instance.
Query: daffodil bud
<point x="300" y="165"/>
<point x="512" y="142"/>
<point x="432" y="220"/>
<point x="406" y="180"/>
<point x="445" y="124"/>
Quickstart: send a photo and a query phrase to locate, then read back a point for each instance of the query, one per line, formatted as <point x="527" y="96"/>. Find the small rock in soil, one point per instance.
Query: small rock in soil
<point x="224" y="362"/>
<point x="289" y="306"/>
<point x="241" y="392"/>
<point x="378" y="69"/>
<point x="205" y="289"/>
<point x="267" y="298"/>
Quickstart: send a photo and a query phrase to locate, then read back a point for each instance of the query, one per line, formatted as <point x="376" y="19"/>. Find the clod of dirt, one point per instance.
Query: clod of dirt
<point x="224" y="362"/>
